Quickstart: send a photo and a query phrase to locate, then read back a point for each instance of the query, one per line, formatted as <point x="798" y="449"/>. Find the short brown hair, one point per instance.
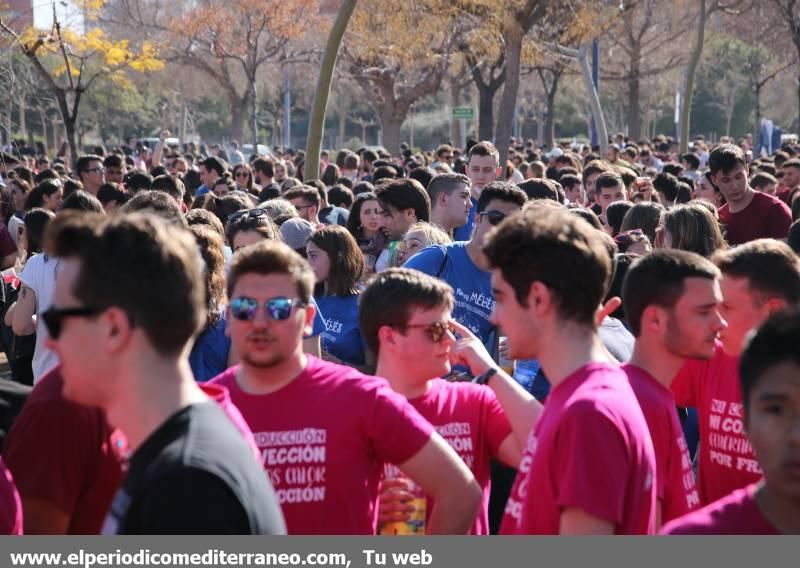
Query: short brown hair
<point x="771" y="267"/>
<point x="658" y="279"/>
<point x="392" y="295"/>
<point x="140" y="263"/>
<point x="558" y="249"/>
<point x="272" y="257"/>
<point x="484" y="148"/>
<point x="310" y="194"/>
<point x="346" y="259"/>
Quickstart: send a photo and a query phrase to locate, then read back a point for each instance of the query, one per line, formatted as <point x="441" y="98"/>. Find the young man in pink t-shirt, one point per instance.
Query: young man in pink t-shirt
<point x="770" y="381"/>
<point x="326" y="430"/>
<point x="672" y="302"/>
<point x="758" y="278"/>
<point x="588" y="465"/>
<point x="406" y="318"/>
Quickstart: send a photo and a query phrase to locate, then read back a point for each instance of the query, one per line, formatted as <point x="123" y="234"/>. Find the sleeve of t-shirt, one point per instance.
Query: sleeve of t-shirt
<point x="779" y="220"/>
<point x="31" y="274"/>
<point x="191" y="501"/>
<point x="51" y="450"/>
<point x="429" y="260"/>
<point x="395" y="428"/>
<point x="7" y="245"/>
<point x="497" y="425"/>
<point x="319" y="321"/>
<point x="686" y="383"/>
<point x="591" y="463"/>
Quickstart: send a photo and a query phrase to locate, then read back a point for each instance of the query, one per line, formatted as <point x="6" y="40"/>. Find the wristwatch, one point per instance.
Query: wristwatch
<point x="484" y="378"/>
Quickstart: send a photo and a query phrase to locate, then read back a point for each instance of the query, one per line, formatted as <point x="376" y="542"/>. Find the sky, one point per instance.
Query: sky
<point x="67" y="13"/>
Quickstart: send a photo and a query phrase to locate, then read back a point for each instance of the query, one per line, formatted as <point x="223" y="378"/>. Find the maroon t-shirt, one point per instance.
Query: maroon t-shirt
<point x="10" y="506"/>
<point x="765" y="217"/>
<point x="7" y="245"/>
<point x="734" y="514"/>
<point x="65" y="454"/>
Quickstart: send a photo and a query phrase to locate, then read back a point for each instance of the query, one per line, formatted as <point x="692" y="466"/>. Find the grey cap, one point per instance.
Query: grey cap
<point x="295" y="232"/>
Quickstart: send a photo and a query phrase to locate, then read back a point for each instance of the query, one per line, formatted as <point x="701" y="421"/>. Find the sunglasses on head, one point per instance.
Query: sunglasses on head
<point x="54" y="317"/>
<point x="495" y="217"/>
<point x="248" y="214"/>
<point x="278" y="309"/>
<point x="436" y="330"/>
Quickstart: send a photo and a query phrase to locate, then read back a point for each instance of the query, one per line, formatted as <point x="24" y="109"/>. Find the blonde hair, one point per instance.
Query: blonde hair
<point x="433" y="234"/>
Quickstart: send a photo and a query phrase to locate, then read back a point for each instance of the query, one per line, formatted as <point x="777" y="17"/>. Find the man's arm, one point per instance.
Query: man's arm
<point x="521" y="409"/>
<point x="441" y="474"/>
<point x="579" y="522"/>
<point x="43" y="517"/>
<point x="22" y="322"/>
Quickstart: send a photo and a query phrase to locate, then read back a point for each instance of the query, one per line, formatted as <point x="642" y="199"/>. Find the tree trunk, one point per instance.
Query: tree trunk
<point x="691" y="70"/>
<point x="391" y="123"/>
<point x="508" y="102"/>
<point x="594" y="98"/>
<point x="43" y="119"/>
<point x="23" y="124"/>
<point x="238" y="115"/>
<point x="485" y="113"/>
<point x="342" y="124"/>
<point x="634" y="98"/>
<point x="316" y="124"/>
<point x="253" y="115"/>
<point x="550" y="120"/>
<point x="455" y="100"/>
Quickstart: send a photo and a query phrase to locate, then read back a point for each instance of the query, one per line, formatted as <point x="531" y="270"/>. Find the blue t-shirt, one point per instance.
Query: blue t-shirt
<point x="465" y="233"/>
<point x="209" y="355"/>
<point x="319" y="321"/>
<point x="342" y="337"/>
<point x="472" y="287"/>
<point x="202" y="190"/>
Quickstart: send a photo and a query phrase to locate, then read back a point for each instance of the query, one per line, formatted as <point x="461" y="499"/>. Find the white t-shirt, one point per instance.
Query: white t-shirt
<point x="39" y="275"/>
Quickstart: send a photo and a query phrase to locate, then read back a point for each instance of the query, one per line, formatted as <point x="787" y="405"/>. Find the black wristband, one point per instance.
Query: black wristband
<point x="484" y="378"/>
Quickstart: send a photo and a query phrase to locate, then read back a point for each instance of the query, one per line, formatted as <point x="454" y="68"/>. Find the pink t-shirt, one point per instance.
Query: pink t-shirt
<point x="221" y="396"/>
<point x="471" y="420"/>
<point x="734" y="514"/>
<point x="675" y="484"/>
<point x="324" y="438"/>
<point x="591" y="450"/>
<point x="10" y="504"/>
<point x="727" y="461"/>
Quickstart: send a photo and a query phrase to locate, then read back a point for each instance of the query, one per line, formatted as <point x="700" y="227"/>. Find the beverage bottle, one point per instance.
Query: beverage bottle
<point x="505" y="362"/>
<point x="415" y="522"/>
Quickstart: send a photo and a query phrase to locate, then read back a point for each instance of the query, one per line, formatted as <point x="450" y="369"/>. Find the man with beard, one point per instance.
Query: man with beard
<point x="672" y="301"/>
<point x="325" y="430"/>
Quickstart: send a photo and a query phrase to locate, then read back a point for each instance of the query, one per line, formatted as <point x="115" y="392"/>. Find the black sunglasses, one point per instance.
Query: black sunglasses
<point x="54" y="317"/>
<point x="248" y="214"/>
<point x="495" y="217"/>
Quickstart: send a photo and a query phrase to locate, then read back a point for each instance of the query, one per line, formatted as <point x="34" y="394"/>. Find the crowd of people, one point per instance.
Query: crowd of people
<point x="422" y="343"/>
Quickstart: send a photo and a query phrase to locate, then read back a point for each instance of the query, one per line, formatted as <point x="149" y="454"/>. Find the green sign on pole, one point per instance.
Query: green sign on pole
<point x="464" y="113"/>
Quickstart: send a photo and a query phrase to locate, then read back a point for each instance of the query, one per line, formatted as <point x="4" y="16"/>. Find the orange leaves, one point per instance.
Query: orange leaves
<point x="234" y="28"/>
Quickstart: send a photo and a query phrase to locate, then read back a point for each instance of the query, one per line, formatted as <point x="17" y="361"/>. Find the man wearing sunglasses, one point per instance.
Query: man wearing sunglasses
<point x="123" y="348"/>
<point x="325" y="430"/>
<point x="405" y="318"/>
<point x="463" y="265"/>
